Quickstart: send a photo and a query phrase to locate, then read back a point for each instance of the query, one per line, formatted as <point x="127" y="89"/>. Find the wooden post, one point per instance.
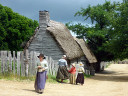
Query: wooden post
<point x="14" y="61"/>
<point x="26" y="63"/>
<point x="2" y="62"/>
<point x="22" y="64"/>
<point x="53" y="68"/>
<point x="10" y="61"/>
<point x="33" y="62"/>
<point x="50" y="64"/>
<point x="30" y="64"/>
<point x="5" y="61"/>
<point x="18" y="63"/>
<point x="36" y="60"/>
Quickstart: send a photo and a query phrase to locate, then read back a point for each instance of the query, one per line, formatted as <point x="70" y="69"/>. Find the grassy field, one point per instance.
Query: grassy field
<point x="51" y="78"/>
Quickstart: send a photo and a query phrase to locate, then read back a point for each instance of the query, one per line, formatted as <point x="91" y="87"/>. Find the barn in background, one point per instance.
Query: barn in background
<point x="54" y="39"/>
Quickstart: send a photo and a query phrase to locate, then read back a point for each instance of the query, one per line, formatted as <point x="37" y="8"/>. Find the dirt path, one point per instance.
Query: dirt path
<point x="112" y="82"/>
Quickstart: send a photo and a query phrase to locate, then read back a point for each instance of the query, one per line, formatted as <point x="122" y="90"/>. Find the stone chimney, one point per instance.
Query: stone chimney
<point x="44" y="18"/>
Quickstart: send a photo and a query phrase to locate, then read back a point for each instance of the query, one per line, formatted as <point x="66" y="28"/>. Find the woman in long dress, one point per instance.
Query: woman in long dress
<point x="42" y="68"/>
<point x="62" y="70"/>
<point x="80" y="76"/>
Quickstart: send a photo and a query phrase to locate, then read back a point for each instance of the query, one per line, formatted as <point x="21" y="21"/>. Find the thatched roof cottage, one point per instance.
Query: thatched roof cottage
<point x="54" y="39"/>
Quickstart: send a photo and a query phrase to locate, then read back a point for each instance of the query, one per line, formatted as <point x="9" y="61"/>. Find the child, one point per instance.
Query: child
<point x="72" y="72"/>
<point x="80" y="76"/>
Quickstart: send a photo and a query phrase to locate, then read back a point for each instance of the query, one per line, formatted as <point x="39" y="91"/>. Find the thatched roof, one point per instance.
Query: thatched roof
<point x="64" y="38"/>
<point x="66" y="42"/>
<point x="88" y="53"/>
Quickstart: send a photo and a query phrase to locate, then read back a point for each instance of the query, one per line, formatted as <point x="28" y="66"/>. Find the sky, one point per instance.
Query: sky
<point x="60" y="10"/>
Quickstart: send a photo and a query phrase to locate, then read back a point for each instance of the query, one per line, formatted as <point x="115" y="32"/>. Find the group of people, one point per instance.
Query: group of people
<point x="70" y="73"/>
<point x="64" y="72"/>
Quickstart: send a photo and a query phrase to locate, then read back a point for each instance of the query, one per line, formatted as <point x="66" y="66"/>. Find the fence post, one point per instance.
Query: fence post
<point x="33" y="62"/>
<point x="18" y="63"/>
<point x="14" y="61"/>
<point x="30" y="64"/>
<point x="2" y="62"/>
<point x="36" y="60"/>
<point x="10" y="61"/>
<point x="53" y="68"/>
<point x="26" y="63"/>
<point x="22" y="64"/>
<point x="50" y="63"/>
<point x="5" y="61"/>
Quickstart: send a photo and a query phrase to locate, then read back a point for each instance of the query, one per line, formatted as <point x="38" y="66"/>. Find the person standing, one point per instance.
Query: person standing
<point x="62" y="70"/>
<point x="42" y="67"/>
<point x="80" y="76"/>
<point x="72" y="72"/>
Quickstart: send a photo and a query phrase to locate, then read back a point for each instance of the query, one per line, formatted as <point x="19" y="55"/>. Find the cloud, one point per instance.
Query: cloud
<point x="60" y="10"/>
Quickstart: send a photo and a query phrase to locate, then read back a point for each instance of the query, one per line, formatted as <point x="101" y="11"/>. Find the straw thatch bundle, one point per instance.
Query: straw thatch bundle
<point x="88" y="53"/>
<point x="64" y="38"/>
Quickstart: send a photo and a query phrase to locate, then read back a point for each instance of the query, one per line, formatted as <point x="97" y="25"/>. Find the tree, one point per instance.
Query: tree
<point x="14" y="29"/>
<point x="108" y="39"/>
<point x="118" y="45"/>
<point x="97" y="36"/>
<point x="100" y="14"/>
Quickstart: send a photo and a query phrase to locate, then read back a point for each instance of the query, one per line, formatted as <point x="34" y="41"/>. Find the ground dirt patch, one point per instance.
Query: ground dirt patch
<point x="111" y="82"/>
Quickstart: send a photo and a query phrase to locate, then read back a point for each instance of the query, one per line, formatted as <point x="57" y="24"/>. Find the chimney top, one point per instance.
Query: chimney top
<point x="44" y="18"/>
<point x="44" y="11"/>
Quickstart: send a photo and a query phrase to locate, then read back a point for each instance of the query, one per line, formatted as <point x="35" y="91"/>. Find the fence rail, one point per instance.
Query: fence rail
<point x="22" y="64"/>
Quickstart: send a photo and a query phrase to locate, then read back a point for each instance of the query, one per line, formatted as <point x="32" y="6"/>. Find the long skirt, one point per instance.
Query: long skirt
<point x="62" y="73"/>
<point x="40" y="81"/>
<point x="72" y="78"/>
<point x="80" y="78"/>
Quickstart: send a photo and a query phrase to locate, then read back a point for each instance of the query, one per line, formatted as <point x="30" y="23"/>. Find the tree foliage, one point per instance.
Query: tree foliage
<point x="108" y="38"/>
<point x="118" y="45"/>
<point x="14" y="29"/>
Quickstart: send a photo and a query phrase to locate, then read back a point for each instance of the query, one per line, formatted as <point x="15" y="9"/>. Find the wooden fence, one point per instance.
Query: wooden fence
<point x="23" y="64"/>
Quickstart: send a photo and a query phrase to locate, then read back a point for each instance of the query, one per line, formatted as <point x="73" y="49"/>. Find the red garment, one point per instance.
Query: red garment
<point x="72" y="70"/>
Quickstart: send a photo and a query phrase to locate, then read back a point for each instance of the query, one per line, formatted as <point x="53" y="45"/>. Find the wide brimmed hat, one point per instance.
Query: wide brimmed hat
<point x="41" y="55"/>
<point x="64" y="56"/>
<point x="74" y="64"/>
<point x="81" y="64"/>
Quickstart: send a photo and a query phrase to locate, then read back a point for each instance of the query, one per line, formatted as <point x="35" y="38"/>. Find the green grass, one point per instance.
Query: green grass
<point x="51" y="78"/>
<point x="87" y="76"/>
<point x="8" y="76"/>
<point x="108" y="65"/>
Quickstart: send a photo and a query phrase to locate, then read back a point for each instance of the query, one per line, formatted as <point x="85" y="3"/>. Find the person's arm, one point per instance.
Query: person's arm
<point x="58" y="62"/>
<point x="37" y="65"/>
<point x="46" y="65"/>
<point x="70" y="70"/>
<point x="66" y="63"/>
<point x="83" y="69"/>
